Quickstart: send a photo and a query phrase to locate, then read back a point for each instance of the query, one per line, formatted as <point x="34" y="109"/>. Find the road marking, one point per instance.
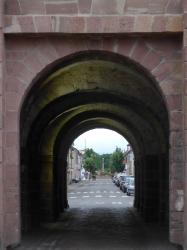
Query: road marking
<point x="86" y="196"/>
<point x="98" y="196"/>
<point x="72" y="197"/>
<point x="124" y="196"/>
<point x="91" y="192"/>
<point x="85" y="192"/>
<point x="112" y="196"/>
<point x="118" y="192"/>
<point x="71" y="193"/>
<point x="117" y="202"/>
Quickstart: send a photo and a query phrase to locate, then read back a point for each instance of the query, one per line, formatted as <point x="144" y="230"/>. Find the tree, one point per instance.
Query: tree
<point x="112" y="162"/>
<point x="89" y="165"/>
<point x="91" y="161"/>
<point x="117" y="160"/>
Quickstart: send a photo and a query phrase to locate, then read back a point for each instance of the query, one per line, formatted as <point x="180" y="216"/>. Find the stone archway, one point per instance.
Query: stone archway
<point x="90" y="89"/>
<point x="32" y="60"/>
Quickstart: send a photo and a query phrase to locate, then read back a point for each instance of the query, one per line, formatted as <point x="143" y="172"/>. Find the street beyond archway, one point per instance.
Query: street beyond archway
<point x="100" y="217"/>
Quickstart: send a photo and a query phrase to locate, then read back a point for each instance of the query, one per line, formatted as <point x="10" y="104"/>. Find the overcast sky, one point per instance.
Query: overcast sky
<point x="101" y="141"/>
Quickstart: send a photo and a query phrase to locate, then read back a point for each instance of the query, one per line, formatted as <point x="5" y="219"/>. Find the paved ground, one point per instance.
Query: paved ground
<point x="100" y="217"/>
<point x="97" y="194"/>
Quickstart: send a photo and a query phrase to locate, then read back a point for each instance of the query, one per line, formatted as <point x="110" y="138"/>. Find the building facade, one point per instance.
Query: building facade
<point x="69" y="66"/>
<point x="74" y="165"/>
<point x="129" y="161"/>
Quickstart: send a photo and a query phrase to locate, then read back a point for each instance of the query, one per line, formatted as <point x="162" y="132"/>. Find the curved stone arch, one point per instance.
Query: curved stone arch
<point x="128" y="52"/>
<point x="56" y="110"/>
<point x="155" y="64"/>
<point x="56" y="64"/>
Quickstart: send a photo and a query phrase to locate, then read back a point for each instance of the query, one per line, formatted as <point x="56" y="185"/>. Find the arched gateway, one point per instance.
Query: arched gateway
<point x="82" y="91"/>
<point x="57" y="87"/>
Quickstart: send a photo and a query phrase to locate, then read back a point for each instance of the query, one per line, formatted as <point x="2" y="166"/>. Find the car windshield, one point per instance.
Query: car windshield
<point x="123" y="178"/>
<point x="131" y="182"/>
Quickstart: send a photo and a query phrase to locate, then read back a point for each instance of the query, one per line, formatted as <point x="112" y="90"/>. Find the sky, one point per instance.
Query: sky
<point x="102" y="141"/>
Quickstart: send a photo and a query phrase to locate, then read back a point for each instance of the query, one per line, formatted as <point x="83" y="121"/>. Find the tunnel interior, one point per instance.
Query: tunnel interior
<point x="87" y="90"/>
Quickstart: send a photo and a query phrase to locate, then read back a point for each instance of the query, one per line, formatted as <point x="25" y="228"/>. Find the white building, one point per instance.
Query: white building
<point x="74" y="161"/>
<point x="129" y="160"/>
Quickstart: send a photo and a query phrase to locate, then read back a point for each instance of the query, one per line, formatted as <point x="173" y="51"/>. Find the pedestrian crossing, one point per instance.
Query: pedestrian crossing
<point x="96" y="194"/>
<point x="100" y="193"/>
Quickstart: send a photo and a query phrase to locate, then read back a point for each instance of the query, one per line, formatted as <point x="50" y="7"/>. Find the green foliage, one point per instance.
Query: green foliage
<point x="91" y="161"/>
<point x="112" y="162"/>
<point x="117" y="161"/>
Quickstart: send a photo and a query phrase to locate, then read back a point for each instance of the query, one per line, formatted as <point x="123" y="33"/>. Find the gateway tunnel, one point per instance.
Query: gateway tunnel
<point x="80" y="92"/>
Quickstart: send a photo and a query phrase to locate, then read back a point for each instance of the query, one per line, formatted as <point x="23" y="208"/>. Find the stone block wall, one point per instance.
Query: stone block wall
<point x="92" y="7"/>
<point x="185" y="119"/>
<point x="27" y="57"/>
<point x="92" y="16"/>
<point x="1" y="117"/>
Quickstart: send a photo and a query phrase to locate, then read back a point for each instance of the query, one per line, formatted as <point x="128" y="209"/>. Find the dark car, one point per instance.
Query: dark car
<point x="119" y="178"/>
<point x="130" y="186"/>
<point x="122" y="181"/>
<point x="125" y="183"/>
<point x="75" y="180"/>
<point x="114" y="178"/>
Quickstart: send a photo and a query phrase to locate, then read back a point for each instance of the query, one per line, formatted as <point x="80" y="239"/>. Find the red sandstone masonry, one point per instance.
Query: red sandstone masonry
<point x="93" y="7"/>
<point x="92" y="24"/>
<point x="2" y="188"/>
<point x="107" y="7"/>
<point x="84" y="6"/>
<point x="174" y="102"/>
<point x="29" y="7"/>
<point x="62" y="8"/>
<point x="26" y="57"/>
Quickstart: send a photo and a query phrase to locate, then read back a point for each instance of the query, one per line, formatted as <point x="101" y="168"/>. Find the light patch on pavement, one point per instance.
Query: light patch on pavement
<point x="100" y="202"/>
<point x="112" y="196"/>
<point x="98" y="196"/>
<point x="72" y="197"/>
<point x="86" y="196"/>
<point x="117" y="192"/>
<point x="117" y="202"/>
<point x="124" y="196"/>
<point x="85" y="192"/>
<point x="72" y="193"/>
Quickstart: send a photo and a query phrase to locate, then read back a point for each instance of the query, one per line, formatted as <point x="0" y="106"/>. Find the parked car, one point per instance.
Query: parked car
<point x="119" y="176"/>
<point x="75" y="180"/>
<point x="123" y="179"/>
<point x="130" y="186"/>
<point x="114" y="178"/>
<point x="125" y="183"/>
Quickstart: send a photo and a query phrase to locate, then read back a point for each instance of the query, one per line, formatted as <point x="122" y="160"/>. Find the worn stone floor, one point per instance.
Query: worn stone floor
<point x="95" y="226"/>
<point x="101" y="229"/>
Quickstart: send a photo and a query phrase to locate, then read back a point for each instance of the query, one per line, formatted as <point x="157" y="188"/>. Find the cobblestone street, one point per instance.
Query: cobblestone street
<point x="100" y="217"/>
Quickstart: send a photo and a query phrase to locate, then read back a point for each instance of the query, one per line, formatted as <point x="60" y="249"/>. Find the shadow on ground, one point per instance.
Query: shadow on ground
<point x="101" y="229"/>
